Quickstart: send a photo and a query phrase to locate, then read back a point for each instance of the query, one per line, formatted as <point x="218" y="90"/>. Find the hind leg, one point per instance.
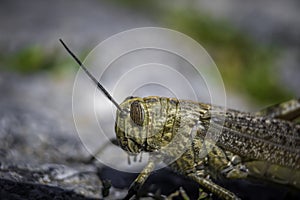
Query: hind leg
<point x="289" y="110"/>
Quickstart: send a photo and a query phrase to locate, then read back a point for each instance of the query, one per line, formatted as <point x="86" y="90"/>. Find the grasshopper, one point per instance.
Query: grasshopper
<point x="263" y="145"/>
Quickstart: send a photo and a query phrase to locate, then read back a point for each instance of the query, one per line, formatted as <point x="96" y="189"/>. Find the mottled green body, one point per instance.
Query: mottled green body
<point x="240" y="146"/>
<point x="200" y="140"/>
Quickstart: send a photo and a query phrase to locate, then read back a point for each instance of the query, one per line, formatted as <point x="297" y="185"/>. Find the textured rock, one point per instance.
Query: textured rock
<point x="81" y="180"/>
<point x="39" y="160"/>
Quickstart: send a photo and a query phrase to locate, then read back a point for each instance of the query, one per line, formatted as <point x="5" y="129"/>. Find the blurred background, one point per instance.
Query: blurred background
<point x="255" y="44"/>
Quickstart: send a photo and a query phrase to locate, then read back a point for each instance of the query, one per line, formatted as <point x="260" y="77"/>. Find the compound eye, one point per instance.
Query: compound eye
<point x="137" y="113"/>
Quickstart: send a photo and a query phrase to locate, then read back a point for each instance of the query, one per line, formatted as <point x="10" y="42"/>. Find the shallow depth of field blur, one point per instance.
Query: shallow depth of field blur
<point x="255" y="45"/>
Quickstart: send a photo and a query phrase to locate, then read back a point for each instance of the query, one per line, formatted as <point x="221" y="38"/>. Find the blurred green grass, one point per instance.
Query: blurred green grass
<point x="35" y="59"/>
<point x="28" y="60"/>
<point x="245" y="65"/>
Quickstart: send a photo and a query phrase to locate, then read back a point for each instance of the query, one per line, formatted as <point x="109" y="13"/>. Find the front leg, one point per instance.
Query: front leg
<point x="140" y="180"/>
<point x="212" y="187"/>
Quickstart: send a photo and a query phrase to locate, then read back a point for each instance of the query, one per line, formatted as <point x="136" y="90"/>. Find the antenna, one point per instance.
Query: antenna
<point x="91" y="76"/>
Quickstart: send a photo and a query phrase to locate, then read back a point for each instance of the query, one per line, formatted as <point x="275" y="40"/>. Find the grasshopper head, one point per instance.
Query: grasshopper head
<point x="140" y="126"/>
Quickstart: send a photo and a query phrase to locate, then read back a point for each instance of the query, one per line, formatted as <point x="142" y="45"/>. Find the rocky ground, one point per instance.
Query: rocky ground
<point x="40" y="152"/>
<point x="40" y="157"/>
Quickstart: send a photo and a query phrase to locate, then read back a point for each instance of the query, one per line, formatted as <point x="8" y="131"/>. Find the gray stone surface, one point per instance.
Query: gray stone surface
<point x="40" y="154"/>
